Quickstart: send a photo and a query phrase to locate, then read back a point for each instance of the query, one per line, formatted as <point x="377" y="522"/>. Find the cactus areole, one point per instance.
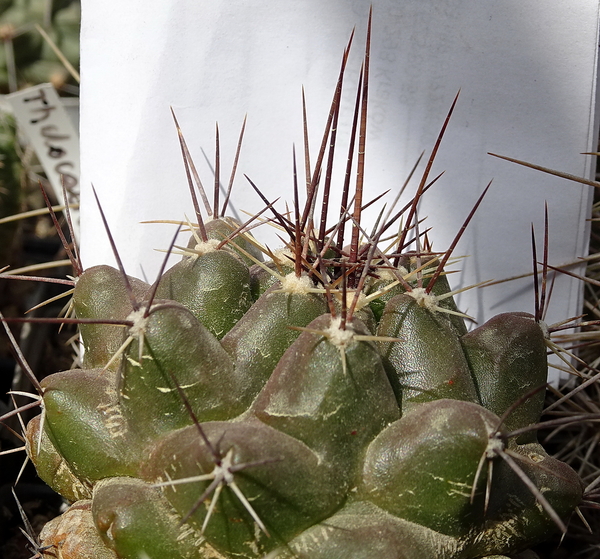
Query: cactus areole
<point x="325" y="403"/>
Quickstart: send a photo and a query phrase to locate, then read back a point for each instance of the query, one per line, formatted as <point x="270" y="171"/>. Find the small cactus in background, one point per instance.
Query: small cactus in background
<point x="328" y="402"/>
<point x="26" y="58"/>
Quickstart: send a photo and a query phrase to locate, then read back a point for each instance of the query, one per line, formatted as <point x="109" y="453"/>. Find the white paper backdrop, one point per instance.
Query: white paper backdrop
<point x="528" y="90"/>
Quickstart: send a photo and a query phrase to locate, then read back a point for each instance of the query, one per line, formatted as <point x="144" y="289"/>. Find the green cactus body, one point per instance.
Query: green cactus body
<point x="330" y="391"/>
<point x="508" y="358"/>
<point x="262" y="275"/>
<point x="51" y="466"/>
<point x="243" y="245"/>
<point x="260" y="338"/>
<point x="561" y="487"/>
<point x="305" y="443"/>
<point x="101" y="293"/>
<point x="423" y="466"/>
<point x="150" y="374"/>
<point x="363" y="531"/>
<point x="215" y="286"/>
<point x="430" y="363"/>
<point x="283" y="482"/>
<point x="134" y="518"/>
<point x="305" y="408"/>
<point x="104" y="442"/>
<point x="417" y="273"/>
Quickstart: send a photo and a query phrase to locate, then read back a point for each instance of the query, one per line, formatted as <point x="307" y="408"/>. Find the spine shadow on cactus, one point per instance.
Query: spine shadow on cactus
<point x="326" y="403"/>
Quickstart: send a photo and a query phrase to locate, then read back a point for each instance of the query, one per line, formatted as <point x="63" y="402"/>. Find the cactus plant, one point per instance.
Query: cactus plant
<point x="326" y="403"/>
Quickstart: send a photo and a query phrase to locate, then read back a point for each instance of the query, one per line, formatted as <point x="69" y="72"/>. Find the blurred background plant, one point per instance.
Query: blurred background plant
<point x="28" y="57"/>
<point x="40" y="44"/>
<point x="579" y="444"/>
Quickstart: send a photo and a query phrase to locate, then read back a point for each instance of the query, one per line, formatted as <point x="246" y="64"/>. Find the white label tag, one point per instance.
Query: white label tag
<point x="43" y="118"/>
